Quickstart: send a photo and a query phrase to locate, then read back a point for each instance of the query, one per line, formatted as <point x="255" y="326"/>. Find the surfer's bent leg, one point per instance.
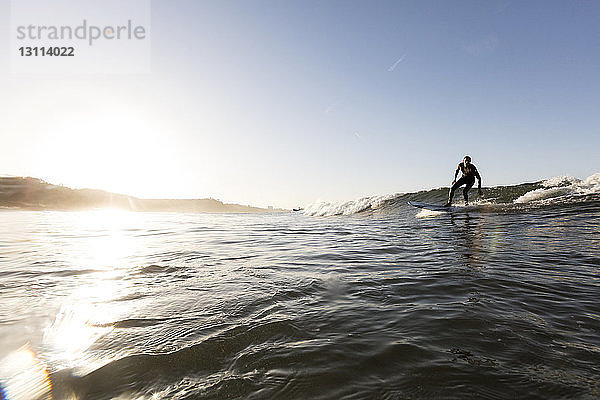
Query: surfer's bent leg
<point x="458" y="184"/>
<point x="468" y="187"/>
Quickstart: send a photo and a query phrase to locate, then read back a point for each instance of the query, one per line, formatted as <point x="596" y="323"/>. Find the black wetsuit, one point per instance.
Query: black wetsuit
<point x="469" y="173"/>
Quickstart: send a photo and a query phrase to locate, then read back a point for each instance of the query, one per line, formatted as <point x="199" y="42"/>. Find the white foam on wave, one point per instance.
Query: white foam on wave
<point x="325" y="208"/>
<point x="562" y="186"/>
<point x="562" y="180"/>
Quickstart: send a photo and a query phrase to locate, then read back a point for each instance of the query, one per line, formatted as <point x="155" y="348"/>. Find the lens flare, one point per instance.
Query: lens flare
<point x="24" y="377"/>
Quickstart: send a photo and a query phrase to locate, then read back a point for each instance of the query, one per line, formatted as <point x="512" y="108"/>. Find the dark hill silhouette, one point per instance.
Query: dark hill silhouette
<point x="35" y="194"/>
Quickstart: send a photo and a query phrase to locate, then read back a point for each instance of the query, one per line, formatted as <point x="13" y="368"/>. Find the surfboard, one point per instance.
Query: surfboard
<point x="433" y="207"/>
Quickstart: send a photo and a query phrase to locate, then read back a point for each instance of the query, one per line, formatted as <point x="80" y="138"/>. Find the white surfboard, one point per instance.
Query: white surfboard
<point x="434" y="207"/>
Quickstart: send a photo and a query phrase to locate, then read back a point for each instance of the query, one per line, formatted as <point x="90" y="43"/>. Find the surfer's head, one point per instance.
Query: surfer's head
<point x="467" y="159"/>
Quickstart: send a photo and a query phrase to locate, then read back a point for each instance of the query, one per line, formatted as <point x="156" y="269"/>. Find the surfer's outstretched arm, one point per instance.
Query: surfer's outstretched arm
<point x="456" y="174"/>
<point x="479" y="191"/>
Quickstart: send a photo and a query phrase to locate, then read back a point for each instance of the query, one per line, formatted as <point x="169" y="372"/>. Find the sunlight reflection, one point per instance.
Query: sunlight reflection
<point x="72" y="333"/>
<point x="106" y="244"/>
<point x="24" y="377"/>
<point x="85" y="317"/>
<point x="89" y="312"/>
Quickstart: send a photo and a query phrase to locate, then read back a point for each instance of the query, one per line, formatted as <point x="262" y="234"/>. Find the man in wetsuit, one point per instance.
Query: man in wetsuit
<point x="469" y="173"/>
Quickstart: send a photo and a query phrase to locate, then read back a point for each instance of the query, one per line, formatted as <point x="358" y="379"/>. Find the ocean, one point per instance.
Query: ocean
<point x="366" y="299"/>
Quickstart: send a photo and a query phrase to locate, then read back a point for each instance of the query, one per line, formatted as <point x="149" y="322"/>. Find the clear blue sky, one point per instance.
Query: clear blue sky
<point x="283" y="102"/>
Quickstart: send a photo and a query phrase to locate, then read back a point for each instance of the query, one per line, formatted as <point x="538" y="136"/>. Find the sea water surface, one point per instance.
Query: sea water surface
<point x="498" y="301"/>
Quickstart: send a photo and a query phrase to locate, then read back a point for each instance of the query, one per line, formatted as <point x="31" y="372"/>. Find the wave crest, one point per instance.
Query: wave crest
<point x="562" y="187"/>
<point x="324" y="208"/>
<point x="559" y="188"/>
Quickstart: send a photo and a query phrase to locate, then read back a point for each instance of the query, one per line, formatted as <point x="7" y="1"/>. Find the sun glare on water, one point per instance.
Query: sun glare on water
<point x="96" y="246"/>
<point x="84" y="317"/>
<point x="103" y="244"/>
<point x="88" y="313"/>
<point x="24" y="377"/>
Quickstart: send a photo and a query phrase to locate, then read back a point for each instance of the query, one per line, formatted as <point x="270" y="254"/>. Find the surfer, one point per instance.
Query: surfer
<point x="469" y="173"/>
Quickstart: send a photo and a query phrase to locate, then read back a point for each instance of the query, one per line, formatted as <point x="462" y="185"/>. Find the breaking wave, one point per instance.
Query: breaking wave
<point x="322" y="208"/>
<point x="563" y="188"/>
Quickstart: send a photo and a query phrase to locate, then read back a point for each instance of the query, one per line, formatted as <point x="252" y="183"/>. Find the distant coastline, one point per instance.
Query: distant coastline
<point x="27" y="193"/>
